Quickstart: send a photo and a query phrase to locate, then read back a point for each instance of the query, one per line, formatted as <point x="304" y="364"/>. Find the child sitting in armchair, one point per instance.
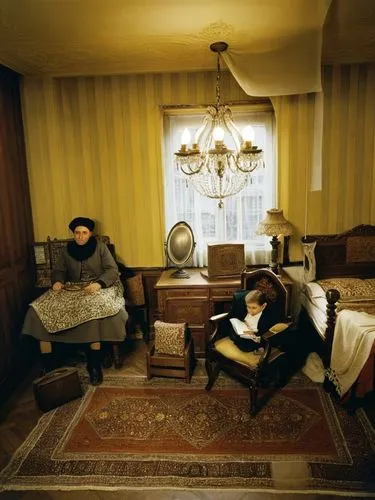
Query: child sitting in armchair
<point x="249" y="324"/>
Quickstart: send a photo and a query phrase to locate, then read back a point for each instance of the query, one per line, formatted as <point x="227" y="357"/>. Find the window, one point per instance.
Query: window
<point x="237" y="221"/>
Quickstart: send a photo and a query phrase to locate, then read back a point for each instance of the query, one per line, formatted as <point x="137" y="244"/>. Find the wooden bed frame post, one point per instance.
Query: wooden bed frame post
<point x="332" y="296"/>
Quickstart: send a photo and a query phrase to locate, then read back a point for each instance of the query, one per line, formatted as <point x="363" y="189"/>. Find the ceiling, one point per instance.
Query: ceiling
<point x="97" y="37"/>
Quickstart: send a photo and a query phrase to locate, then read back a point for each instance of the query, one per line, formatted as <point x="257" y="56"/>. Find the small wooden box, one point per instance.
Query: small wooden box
<point x="225" y="260"/>
<point x="165" y="365"/>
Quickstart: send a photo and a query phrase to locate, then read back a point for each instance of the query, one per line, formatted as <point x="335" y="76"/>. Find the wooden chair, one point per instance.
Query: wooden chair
<point x="253" y="369"/>
<point x="135" y="301"/>
<point x="169" y="365"/>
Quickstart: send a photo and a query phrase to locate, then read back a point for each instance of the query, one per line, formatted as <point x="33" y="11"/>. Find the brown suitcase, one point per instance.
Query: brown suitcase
<point x="57" y="388"/>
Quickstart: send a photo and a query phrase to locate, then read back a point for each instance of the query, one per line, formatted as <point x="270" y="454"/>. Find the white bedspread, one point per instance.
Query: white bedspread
<point x="352" y="342"/>
<point x="316" y="309"/>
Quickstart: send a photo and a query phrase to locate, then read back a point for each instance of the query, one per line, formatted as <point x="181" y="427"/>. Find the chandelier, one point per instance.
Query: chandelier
<point x="215" y="170"/>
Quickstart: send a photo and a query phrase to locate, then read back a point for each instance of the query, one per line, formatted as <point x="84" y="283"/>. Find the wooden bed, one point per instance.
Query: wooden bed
<point x="347" y="255"/>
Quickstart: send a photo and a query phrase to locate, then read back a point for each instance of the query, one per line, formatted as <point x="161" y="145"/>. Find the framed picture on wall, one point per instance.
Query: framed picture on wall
<point x="42" y="255"/>
<point x="42" y="259"/>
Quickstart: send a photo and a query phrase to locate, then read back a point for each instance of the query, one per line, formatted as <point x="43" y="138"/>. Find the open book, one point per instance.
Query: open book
<point x="242" y="330"/>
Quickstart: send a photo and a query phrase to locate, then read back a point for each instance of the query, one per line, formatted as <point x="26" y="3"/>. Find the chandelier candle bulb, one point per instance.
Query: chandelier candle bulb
<point x="248" y="137"/>
<point x="248" y="134"/>
<point x="218" y="134"/>
<point x="185" y="138"/>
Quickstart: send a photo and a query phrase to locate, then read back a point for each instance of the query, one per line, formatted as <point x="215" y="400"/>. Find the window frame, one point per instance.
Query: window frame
<point x="257" y="251"/>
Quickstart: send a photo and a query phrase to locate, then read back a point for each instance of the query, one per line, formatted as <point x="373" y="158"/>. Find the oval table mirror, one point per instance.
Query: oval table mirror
<point x="179" y="248"/>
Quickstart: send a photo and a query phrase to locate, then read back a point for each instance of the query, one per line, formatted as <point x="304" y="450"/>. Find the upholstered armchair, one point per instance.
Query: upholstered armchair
<point x="264" y="367"/>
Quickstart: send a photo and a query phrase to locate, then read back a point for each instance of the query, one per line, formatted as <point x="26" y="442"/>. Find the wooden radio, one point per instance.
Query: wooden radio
<point x="225" y="260"/>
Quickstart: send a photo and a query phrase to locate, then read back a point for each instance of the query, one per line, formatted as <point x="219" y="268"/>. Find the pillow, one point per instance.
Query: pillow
<point x="309" y="262"/>
<point x="360" y="249"/>
<point x="313" y="290"/>
<point x="349" y="287"/>
<point x="359" y="304"/>
<point x="135" y="291"/>
<point x="320" y="303"/>
<point x="228" y="348"/>
<point x="170" y="338"/>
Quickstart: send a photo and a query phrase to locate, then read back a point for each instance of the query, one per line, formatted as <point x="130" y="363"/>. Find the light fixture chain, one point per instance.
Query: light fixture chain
<point x="218" y="81"/>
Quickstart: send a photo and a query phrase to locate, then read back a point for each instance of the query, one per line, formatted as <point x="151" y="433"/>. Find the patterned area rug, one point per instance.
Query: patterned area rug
<point x="166" y="434"/>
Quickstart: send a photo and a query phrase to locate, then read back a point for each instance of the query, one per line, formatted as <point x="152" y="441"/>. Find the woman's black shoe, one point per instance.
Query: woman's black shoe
<point x="94" y="366"/>
<point x="96" y="376"/>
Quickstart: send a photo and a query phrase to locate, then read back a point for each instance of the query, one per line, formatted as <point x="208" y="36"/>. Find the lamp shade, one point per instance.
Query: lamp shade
<point x="274" y="224"/>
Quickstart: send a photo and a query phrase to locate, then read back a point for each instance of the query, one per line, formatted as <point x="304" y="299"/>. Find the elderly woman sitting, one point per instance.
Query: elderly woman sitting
<point x="85" y="304"/>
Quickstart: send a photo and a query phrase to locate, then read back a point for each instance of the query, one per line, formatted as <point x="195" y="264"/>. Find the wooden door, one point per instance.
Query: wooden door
<point x="16" y="265"/>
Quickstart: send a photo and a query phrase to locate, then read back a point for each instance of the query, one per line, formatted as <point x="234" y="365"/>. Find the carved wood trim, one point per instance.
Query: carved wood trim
<point x="330" y="254"/>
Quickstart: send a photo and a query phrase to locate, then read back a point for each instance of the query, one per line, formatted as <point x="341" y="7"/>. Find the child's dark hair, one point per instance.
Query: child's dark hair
<point x="256" y="296"/>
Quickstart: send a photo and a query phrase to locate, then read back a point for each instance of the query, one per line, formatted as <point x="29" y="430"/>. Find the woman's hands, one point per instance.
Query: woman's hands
<point x="56" y="287"/>
<point x="93" y="288"/>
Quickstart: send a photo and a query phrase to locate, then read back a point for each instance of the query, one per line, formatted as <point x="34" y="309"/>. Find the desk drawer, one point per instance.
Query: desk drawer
<point x="192" y="311"/>
<point x="222" y="293"/>
<point x="192" y="292"/>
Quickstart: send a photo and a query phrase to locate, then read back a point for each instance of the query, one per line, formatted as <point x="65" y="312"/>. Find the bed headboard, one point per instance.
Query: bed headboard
<point x="351" y="253"/>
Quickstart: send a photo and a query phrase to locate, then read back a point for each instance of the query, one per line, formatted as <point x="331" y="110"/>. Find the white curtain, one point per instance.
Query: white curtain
<point x="237" y="221"/>
<point x="287" y="64"/>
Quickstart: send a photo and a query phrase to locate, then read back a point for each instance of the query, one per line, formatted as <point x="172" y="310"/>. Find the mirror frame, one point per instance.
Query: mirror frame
<point x="172" y="239"/>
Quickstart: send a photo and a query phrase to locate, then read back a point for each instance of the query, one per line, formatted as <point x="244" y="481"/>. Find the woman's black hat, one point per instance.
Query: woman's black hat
<point x="82" y="221"/>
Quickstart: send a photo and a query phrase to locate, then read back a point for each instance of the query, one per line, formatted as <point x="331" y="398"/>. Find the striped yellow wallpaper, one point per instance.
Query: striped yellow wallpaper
<point x="347" y="197"/>
<point x="94" y="147"/>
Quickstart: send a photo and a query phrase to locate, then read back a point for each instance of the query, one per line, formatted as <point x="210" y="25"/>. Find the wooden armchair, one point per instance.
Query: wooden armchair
<point x="253" y="369"/>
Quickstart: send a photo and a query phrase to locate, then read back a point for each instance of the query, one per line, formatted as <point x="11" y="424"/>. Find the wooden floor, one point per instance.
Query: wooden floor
<point x="20" y="414"/>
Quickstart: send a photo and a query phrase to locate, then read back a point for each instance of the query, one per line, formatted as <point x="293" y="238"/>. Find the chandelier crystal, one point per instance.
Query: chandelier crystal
<point x="215" y="170"/>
